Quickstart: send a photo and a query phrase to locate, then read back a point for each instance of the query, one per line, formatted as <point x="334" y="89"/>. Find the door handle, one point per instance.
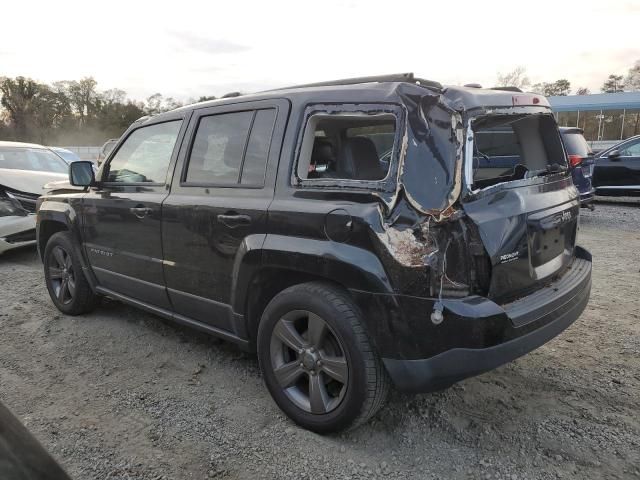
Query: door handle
<point x="141" y="211"/>
<point x="233" y="221"/>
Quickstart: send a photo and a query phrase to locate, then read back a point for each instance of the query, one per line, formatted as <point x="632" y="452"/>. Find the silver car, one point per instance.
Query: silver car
<point x="24" y="170"/>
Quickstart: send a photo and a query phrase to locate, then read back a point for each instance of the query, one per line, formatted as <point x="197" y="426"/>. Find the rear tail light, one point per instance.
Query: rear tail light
<point x="575" y="160"/>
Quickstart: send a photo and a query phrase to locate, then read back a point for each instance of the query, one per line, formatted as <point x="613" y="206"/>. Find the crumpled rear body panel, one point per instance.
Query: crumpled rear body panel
<point x="432" y="163"/>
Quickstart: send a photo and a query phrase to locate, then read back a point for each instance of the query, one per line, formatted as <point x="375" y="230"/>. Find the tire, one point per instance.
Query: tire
<point x="325" y="379"/>
<point x="65" y="280"/>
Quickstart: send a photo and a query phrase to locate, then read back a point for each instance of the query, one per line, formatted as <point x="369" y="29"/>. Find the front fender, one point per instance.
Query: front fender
<point x="59" y="214"/>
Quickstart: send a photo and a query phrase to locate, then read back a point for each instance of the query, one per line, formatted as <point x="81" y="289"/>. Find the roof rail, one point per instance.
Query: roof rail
<point x="507" y="89"/>
<point x="144" y="118"/>
<point x="231" y="95"/>
<point x="396" y="77"/>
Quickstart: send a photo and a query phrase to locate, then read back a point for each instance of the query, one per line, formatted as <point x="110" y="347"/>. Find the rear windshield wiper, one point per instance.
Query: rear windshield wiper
<point x="552" y="168"/>
<point x="556" y="168"/>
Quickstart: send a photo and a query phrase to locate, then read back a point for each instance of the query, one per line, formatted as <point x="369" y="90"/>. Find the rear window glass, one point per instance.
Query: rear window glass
<point x="575" y="144"/>
<point x="497" y="142"/>
<point x="513" y="147"/>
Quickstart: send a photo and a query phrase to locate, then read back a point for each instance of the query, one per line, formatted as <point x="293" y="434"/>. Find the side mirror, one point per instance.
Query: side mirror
<point x="81" y="174"/>
<point x="614" y="154"/>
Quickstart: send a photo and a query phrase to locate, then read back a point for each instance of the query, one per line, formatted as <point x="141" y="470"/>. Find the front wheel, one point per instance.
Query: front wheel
<point x="66" y="283"/>
<point x="317" y="360"/>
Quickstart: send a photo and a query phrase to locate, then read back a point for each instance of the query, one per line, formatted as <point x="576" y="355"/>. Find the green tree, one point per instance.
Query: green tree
<point x="515" y="78"/>
<point x="18" y="98"/>
<point x="84" y="98"/>
<point x="613" y="84"/>
<point x="49" y="110"/>
<point x="115" y="116"/>
<point x="560" y="87"/>
<point x="70" y="112"/>
<point x="156" y="103"/>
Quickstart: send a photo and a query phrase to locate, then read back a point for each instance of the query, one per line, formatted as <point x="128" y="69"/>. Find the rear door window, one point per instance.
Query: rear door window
<point x="231" y="148"/>
<point x="255" y="159"/>
<point x="512" y="147"/>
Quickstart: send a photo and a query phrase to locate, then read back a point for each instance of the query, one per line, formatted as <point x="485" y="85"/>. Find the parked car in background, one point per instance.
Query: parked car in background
<point x="67" y="155"/>
<point x="281" y="222"/>
<point x="106" y="150"/>
<point x="581" y="162"/>
<point x="617" y="169"/>
<point x="24" y="170"/>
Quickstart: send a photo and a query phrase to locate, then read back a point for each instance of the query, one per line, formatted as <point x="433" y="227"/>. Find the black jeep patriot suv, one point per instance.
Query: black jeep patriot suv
<point x="343" y="230"/>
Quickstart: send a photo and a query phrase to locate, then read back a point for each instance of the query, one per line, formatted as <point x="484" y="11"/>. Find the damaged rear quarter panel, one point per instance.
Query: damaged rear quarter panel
<point x="432" y="164"/>
<point x="419" y="192"/>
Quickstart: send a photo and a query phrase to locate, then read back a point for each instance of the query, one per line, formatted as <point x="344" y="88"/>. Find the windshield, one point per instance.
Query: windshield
<point x="512" y="147"/>
<point x="34" y="159"/>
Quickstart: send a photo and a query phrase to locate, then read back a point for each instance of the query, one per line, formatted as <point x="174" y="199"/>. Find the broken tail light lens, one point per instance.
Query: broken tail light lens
<point x="575" y="160"/>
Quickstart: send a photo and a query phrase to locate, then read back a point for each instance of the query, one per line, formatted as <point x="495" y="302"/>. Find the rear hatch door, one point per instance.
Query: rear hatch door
<point x="528" y="215"/>
<point x="529" y="232"/>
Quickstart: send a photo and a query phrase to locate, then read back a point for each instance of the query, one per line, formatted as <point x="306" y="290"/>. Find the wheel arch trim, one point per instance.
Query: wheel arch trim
<point x="54" y="217"/>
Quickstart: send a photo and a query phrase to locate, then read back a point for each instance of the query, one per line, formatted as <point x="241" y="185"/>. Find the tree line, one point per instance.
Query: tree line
<point x="613" y="83"/>
<point x="71" y="112"/>
<point x="77" y="113"/>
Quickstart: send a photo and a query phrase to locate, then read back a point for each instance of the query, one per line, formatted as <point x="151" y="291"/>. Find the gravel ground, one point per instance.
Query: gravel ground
<point x="120" y="394"/>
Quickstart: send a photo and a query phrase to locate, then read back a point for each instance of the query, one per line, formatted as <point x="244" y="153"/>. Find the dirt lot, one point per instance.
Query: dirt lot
<point x="120" y="394"/>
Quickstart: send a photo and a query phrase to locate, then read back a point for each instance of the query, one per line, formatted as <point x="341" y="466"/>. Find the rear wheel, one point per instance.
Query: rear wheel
<point x="317" y="360"/>
<point x="66" y="283"/>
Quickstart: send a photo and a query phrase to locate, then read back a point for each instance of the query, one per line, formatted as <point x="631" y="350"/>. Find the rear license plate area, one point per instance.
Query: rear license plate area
<point x="551" y="236"/>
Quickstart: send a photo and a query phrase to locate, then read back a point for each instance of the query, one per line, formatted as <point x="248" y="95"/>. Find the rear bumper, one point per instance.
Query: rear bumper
<point x="587" y="198"/>
<point x="526" y="324"/>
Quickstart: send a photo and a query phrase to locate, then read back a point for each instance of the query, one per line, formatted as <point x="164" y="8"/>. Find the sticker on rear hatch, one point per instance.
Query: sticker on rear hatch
<point x="509" y="257"/>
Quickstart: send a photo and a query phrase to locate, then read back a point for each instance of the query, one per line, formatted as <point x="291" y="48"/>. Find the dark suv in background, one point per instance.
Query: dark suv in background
<point x="581" y="163"/>
<point x="342" y="230"/>
<point x="617" y="170"/>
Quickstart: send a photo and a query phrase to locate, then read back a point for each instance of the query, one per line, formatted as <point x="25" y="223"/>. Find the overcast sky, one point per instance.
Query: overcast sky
<point x="187" y="48"/>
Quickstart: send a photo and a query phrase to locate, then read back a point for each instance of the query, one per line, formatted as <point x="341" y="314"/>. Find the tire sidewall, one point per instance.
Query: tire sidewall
<point x="62" y="239"/>
<point x="355" y="395"/>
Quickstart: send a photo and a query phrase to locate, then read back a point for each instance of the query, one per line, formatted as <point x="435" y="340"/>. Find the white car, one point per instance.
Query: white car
<point x="24" y="170"/>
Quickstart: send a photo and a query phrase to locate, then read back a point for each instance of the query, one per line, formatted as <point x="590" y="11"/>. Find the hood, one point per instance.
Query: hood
<point x="29" y="181"/>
